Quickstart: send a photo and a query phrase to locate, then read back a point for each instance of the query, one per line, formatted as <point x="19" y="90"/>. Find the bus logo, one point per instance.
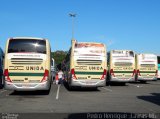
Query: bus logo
<point x="95" y="68"/>
<point x="34" y="68"/>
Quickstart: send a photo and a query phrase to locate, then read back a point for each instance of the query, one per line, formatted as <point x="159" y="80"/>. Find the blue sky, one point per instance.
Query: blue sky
<point x="120" y="24"/>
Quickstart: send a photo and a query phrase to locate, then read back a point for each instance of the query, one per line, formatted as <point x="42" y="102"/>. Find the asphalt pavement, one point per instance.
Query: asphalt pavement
<point x="131" y="98"/>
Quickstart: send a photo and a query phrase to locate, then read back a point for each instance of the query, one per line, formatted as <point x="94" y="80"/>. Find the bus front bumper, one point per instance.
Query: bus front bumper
<point x="88" y="83"/>
<point x="146" y="79"/>
<point x="27" y="86"/>
<point x="115" y="79"/>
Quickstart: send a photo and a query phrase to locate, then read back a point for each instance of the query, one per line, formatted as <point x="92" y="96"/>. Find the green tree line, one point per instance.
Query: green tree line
<point x="58" y="57"/>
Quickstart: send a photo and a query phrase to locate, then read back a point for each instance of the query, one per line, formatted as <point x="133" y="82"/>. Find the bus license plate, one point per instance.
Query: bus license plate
<point x="25" y="86"/>
<point x="89" y="83"/>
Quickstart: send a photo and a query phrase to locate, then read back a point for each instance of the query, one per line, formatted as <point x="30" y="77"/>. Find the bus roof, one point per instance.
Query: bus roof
<point x="121" y="50"/>
<point x="146" y="54"/>
<point x="33" y="38"/>
<point x="90" y="44"/>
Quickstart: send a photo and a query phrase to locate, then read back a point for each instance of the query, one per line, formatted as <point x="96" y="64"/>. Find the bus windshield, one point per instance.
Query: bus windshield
<point x="27" y="46"/>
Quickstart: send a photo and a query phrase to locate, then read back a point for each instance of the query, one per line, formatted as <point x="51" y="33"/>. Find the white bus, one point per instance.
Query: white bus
<point x="27" y="64"/>
<point x="147" y="68"/>
<point x="121" y="66"/>
<point x="85" y="64"/>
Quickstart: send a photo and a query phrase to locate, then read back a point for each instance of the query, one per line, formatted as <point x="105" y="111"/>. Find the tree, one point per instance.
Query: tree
<point x="58" y="57"/>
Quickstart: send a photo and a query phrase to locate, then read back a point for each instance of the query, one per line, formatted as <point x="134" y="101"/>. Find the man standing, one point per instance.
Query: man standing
<point x="60" y="76"/>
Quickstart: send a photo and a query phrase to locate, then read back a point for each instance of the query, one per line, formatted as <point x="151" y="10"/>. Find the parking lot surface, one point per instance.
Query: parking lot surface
<point x="131" y="98"/>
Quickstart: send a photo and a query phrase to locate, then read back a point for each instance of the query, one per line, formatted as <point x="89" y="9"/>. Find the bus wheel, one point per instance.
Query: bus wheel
<point x="46" y="92"/>
<point x="1" y="82"/>
<point x="70" y="88"/>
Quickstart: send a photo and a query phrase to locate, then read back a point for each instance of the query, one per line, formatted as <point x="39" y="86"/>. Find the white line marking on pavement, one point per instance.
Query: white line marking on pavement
<point x="106" y="89"/>
<point x="57" y="96"/>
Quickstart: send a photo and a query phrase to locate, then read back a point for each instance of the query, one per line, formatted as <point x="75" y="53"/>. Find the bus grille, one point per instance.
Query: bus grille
<point x="89" y="62"/>
<point x="123" y="64"/>
<point x="147" y="65"/>
<point x="26" y="61"/>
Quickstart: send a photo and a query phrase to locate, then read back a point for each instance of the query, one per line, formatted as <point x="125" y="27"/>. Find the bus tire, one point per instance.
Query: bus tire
<point x="1" y="82"/>
<point x="70" y="88"/>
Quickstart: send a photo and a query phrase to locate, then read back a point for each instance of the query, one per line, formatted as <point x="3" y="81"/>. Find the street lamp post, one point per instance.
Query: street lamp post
<point x="72" y="15"/>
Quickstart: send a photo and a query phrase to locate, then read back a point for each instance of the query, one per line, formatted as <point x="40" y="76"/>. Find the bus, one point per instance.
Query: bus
<point x="1" y="67"/>
<point x="27" y="64"/>
<point x="146" y="65"/>
<point x="85" y="65"/>
<point x="121" y="66"/>
<point x="158" y="58"/>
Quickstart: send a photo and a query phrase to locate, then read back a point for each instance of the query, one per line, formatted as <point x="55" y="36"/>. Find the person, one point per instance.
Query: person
<point x="60" y="77"/>
<point x="56" y="77"/>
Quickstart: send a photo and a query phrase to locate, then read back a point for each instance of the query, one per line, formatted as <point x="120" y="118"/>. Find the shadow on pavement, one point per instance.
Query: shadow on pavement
<point x="137" y="82"/>
<point x="1" y="86"/>
<point x="86" y="89"/>
<point x="29" y="93"/>
<point x="116" y="84"/>
<point x="154" y="98"/>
